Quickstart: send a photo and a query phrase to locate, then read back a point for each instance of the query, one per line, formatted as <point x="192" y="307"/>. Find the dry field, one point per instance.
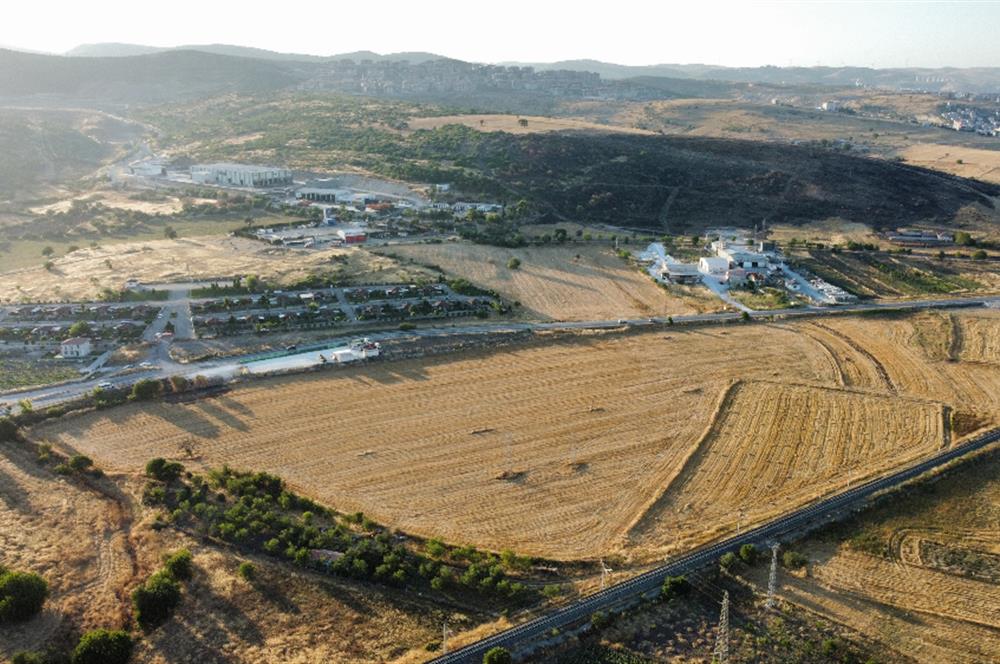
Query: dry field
<point x="576" y="448"/>
<point x="118" y="199"/>
<point x="934" y="593"/>
<point x="782" y="437"/>
<point x="75" y="538"/>
<point x="94" y="543"/>
<point x="82" y="274"/>
<point x="510" y="124"/>
<point x="553" y="283"/>
<point x="955" y="159"/>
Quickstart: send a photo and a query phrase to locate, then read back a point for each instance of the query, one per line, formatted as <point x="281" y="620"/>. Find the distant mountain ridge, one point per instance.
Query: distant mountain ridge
<point x="118" y="50"/>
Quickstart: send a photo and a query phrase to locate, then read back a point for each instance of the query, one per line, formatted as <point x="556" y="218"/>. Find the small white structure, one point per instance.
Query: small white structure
<point x="680" y="273"/>
<point x="75" y="347"/>
<point x="713" y="265"/>
<point x="148" y="168"/>
<point x="240" y="175"/>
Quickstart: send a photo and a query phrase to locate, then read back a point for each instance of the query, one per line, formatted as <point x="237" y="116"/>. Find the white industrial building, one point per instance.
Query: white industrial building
<point x="713" y="265"/>
<point x="75" y="347"/>
<point x="240" y="175"/>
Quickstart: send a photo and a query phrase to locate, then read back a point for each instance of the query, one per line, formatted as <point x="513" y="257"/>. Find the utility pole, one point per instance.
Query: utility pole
<point x="444" y="637"/>
<point x="721" y="654"/>
<point x="739" y="519"/>
<point x="772" y="580"/>
<point x="605" y="570"/>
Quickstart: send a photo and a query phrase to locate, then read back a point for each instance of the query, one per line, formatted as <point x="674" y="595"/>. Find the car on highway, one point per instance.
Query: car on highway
<point x="106" y="385"/>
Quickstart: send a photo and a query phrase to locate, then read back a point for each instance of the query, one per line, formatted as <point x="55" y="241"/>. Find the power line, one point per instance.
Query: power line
<point x="721" y="654"/>
<point x="772" y="579"/>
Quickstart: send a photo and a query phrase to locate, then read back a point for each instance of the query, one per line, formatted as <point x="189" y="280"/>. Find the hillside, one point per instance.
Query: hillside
<point x="55" y="146"/>
<point x="159" y="77"/>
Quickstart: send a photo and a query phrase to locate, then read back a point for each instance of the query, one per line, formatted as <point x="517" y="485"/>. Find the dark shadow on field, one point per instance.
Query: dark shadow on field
<point x="190" y="420"/>
<point x="233" y="404"/>
<point x="273" y="593"/>
<point x="225" y="417"/>
<point x="11" y="495"/>
<point x="221" y="624"/>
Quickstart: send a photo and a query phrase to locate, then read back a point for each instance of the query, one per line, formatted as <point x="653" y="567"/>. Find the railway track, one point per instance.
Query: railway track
<point x="650" y="581"/>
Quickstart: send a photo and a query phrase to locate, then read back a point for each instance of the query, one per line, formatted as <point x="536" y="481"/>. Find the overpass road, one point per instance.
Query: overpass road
<point x="649" y="582"/>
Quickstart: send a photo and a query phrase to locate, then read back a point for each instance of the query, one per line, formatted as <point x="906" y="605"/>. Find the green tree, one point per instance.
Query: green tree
<point x="102" y="646"/>
<point x="79" y="329"/>
<point x="163" y="470"/>
<point x="748" y="554"/>
<point x="170" y="233"/>
<point x="180" y="564"/>
<point x="793" y="560"/>
<point x="146" y="389"/>
<point x="498" y="654"/>
<point x="27" y="658"/>
<point x="514" y="263"/>
<point x="674" y="587"/>
<point x="154" y="601"/>
<point x="246" y="571"/>
<point x="47" y="251"/>
<point x="22" y="595"/>
<point x="727" y="560"/>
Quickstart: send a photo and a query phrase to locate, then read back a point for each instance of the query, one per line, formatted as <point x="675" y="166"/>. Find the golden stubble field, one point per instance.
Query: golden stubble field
<point x="575" y="282"/>
<point x="960" y="160"/>
<point x="932" y="592"/>
<point x="576" y="448"/>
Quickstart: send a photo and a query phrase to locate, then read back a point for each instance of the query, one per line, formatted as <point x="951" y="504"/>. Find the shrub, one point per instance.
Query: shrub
<point x="154" y="601"/>
<point x="146" y="389"/>
<point x="79" y="462"/>
<point x="163" y="470"/>
<point x="599" y="619"/>
<point x="435" y="548"/>
<point x="22" y="595"/>
<point x="497" y="655"/>
<point x="748" y="554"/>
<point x="514" y="263"/>
<point x="793" y="560"/>
<point x="727" y="560"/>
<point x="103" y="646"/>
<point x="27" y="658"/>
<point x="179" y="564"/>
<point x="246" y="571"/>
<point x="674" y="587"/>
<point x="8" y="430"/>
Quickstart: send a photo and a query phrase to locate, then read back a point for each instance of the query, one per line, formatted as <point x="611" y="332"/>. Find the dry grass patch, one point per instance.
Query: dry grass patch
<point x="82" y="274"/>
<point x="573" y="282"/>
<point x="955" y="159"/>
<point x="511" y="124"/>
<point x="75" y="538"/>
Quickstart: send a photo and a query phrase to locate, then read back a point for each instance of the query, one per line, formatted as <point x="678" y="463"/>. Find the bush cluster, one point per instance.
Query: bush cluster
<point x="257" y="511"/>
<point x="155" y="601"/>
<point x="22" y="595"/>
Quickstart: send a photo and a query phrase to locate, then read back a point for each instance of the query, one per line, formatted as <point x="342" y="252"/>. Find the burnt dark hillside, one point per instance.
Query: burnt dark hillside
<point x="675" y="184"/>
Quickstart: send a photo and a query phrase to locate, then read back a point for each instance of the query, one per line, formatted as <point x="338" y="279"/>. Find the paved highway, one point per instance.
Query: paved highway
<point x="704" y="556"/>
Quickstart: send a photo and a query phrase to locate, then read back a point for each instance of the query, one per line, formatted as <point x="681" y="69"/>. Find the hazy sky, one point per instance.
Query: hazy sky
<point x="881" y="34"/>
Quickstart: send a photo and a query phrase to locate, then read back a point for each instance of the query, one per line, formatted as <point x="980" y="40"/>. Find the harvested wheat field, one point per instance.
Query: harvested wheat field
<point x="73" y="537"/>
<point x="955" y="159"/>
<point x="562" y="283"/>
<point x="921" y="575"/>
<point x="571" y="449"/>
<point x="781" y="438"/>
<point x="82" y="274"/>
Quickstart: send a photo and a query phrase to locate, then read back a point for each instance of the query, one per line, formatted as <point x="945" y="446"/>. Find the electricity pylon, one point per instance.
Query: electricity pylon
<point x="721" y="654"/>
<point x="772" y="580"/>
